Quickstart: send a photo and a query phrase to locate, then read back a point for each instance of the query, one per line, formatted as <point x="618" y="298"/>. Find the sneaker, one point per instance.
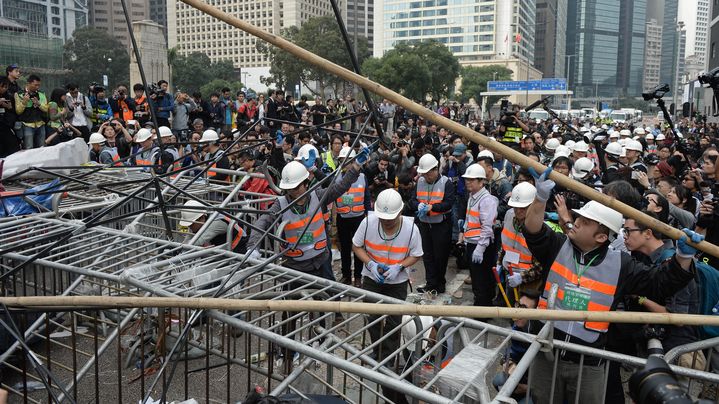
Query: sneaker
<point x="468" y="280"/>
<point x="358" y="282"/>
<point x="346" y="280"/>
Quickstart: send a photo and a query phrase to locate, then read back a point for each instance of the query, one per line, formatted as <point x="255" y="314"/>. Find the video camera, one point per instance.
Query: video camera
<point x="94" y="88"/>
<point x="712" y="80"/>
<point x="154" y="89"/>
<point x="656" y="93"/>
<point x="507" y="115"/>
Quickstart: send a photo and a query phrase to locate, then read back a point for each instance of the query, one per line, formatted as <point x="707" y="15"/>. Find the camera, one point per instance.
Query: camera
<point x="154" y="89"/>
<point x="656" y="92"/>
<point x="711" y="78"/>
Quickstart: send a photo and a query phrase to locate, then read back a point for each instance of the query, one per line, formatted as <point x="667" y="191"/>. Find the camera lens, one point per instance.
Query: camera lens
<point x="656" y="383"/>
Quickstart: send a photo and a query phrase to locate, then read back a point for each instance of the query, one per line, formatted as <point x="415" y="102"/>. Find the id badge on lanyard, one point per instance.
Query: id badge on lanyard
<point x="576" y="297"/>
<point x="307" y="238"/>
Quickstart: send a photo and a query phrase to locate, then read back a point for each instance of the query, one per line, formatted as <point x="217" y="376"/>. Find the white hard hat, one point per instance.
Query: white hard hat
<point x="570" y="144"/>
<point x="209" y="136"/>
<point x="634" y="145"/>
<point x="388" y="204"/>
<point x="581" y="168"/>
<point x="624" y="152"/>
<point x="649" y="137"/>
<point x="347" y="151"/>
<point x="661" y="136"/>
<point x="581" y="146"/>
<point x="188" y="217"/>
<point x="132" y="122"/>
<point x="614" y="148"/>
<point x="614" y="135"/>
<point x="164" y="131"/>
<point x="522" y="195"/>
<point x="552" y="144"/>
<point x="304" y="152"/>
<point x="562" y="151"/>
<point x="623" y="141"/>
<point x="409" y="330"/>
<point x="640" y="131"/>
<point x="625" y="132"/>
<point x="485" y="153"/>
<point x="475" y="171"/>
<point x="426" y="163"/>
<point x="96" y="138"/>
<point x="602" y="214"/>
<point x="605" y="127"/>
<point x="293" y="174"/>
<point x="142" y="135"/>
<point x="594" y="129"/>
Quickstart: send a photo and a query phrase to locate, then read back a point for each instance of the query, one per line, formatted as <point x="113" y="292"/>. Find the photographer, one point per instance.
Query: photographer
<point x="101" y="109"/>
<point x="8" y="141"/>
<point x="142" y="106"/>
<point x="381" y="176"/>
<point x="117" y="137"/>
<point x="511" y="126"/>
<point x="78" y="105"/>
<point x="200" y="112"/>
<point x="123" y="107"/>
<point x="216" y="112"/>
<point x="64" y="133"/>
<point x="162" y="102"/>
<point x="31" y="107"/>
<point x="184" y="105"/>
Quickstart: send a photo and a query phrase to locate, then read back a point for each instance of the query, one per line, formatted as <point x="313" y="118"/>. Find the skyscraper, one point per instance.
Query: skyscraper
<point x="695" y="16"/>
<point x="109" y="16"/>
<point x="607" y="38"/>
<point x="652" y="54"/>
<point x="158" y="13"/>
<point x="551" y="37"/>
<point x="672" y="56"/>
<point x="50" y="18"/>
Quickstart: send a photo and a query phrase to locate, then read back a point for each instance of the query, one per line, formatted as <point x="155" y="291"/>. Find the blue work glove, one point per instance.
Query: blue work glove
<point x="279" y="138"/>
<point x="553" y="216"/>
<point x="478" y="254"/>
<point x="375" y="269"/>
<point x="310" y="162"/>
<point x="392" y="272"/>
<point x="422" y="209"/>
<point x="543" y="184"/>
<point x="684" y="250"/>
<point x="363" y="156"/>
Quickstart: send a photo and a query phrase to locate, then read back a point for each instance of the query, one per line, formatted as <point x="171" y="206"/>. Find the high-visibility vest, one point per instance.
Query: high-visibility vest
<point x="97" y="111"/>
<point x="473" y="224"/>
<point x="314" y="241"/>
<point x="387" y="252"/>
<point x="329" y="160"/>
<point x="146" y="158"/>
<point x="175" y="159"/>
<point x="513" y="241"/>
<point x="125" y="112"/>
<point x="112" y="151"/>
<point x="431" y="194"/>
<point x="512" y="134"/>
<point x="212" y="174"/>
<point x="351" y="204"/>
<point x="599" y="280"/>
<point x="237" y="231"/>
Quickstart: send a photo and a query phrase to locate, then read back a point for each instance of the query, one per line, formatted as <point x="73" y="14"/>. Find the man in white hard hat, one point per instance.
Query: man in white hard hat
<point x="634" y="150"/>
<point x="433" y="199"/>
<point x="352" y="207"/>
<point x="101" y="153"/>
<point x="516" y="258"/>
<point x="194" y="217"/>
<point x="388" y="244"/>
<point x="579" y="150"/>
<point x="169" y="159"/>
<point x="308" y="253"/>
<point x="145" y="150"/>
<point x="612" y="153"/>
<point x="478" y="234"/>
<point x="591" y="277"/>
<point x="210" y="142"/>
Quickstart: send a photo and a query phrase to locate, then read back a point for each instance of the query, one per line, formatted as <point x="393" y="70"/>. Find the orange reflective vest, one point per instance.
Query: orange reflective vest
<point x="473" y="224"/>
<point x="517" y="256"/>
<point x="431" y="194"/>
<point x="594" y="290"/>
<point x="112" y="151"/>
<point x="125" y="112"/>
<point x="351" y="204"/>
<point x="314" y="241"/>
<point x="146" y="157"/>
<point x="385" y="251"/>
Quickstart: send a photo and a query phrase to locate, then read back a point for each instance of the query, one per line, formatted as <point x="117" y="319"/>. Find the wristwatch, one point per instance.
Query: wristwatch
<point x="569" y="225"/>
<point x="401" y="268"/>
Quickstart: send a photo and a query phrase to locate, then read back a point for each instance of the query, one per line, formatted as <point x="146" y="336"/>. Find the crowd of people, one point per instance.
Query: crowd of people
<point x="428" y="194"/>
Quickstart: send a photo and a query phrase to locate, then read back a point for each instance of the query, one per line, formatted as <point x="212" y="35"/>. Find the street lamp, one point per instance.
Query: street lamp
<point x="494" y="76"/>
<point x="567" y="73"/>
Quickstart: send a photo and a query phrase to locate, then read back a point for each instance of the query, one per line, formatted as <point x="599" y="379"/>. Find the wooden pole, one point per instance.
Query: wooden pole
<point x="408" y="104"/>
<point x="62" y="303"/>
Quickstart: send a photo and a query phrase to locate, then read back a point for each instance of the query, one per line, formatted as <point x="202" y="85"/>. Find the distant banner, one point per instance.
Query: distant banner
<point x="531" y="85"/>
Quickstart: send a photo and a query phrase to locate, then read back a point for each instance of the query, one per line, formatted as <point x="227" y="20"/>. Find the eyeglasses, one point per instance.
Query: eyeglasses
<point x="627" y="231"/>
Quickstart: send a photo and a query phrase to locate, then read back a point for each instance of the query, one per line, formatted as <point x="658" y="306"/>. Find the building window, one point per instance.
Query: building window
<point x="713" y="50"/>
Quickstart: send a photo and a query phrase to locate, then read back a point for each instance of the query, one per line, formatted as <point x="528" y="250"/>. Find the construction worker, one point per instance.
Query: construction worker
<point x="478" y="234"/>
<point x="351" y="209"/>
<point x="309" y="253"/>
<point x="211" y="141"/>
<point x="169" y="160"/>
<point x="432" y="200"/>
<point x="146" y="151"/>
<point x="101" y="153"/>
<point x="634" y="151"/>
<point x="194" y="217"/>
<point x="590" y="277"/>
<point x="388" y="244"/>
<point x="612" y="153"/>
<point x="516" y="257"/>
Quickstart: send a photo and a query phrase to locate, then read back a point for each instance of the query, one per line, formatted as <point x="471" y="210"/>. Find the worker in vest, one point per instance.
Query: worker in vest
<point x="516" y="257"/>
<point x="123" y="106"/>
<point x="330" y="157"/>
<point x="169" y="159"/>
<point x="478" y="234"/>
<point x="432" y="200"/>
<point x="351" y="209"/>
<point x="590" y="277"/>
<point x="211" y="147"/>
<point x="308" y="253"/>
<point x="194" y="218"/>
<point x="101" y="109"/>
<point x="144" y="154"/>
<point x="101" y="153"/>
<point x="388" y="244"/>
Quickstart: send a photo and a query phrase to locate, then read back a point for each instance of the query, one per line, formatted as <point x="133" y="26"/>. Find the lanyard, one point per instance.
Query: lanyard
<point x="581" y="269"/>
<point x="383" y="235"/>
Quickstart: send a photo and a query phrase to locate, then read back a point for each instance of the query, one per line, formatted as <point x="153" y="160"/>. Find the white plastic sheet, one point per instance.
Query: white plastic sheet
<point x="66" y="154"/>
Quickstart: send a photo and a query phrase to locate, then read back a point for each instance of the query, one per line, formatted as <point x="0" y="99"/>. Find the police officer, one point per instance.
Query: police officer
<point x="432" y="200"/>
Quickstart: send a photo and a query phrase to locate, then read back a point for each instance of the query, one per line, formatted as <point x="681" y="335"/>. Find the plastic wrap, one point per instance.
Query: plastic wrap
<point x="469" y="366"/>
<point x="66" y="154"/>
<point x="18" y="205"/>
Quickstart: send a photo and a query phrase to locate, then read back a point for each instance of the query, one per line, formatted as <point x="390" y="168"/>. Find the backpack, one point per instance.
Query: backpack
<point x="707" y="279"/>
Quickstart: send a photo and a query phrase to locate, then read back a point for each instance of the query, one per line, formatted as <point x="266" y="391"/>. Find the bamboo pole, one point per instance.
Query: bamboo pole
<point x="99" y="302"/>
<point x="408" y="104"/>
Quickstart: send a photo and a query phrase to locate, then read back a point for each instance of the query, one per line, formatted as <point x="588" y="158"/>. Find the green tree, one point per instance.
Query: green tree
<point x="217" y="85"/>
<point x="192" y="72"/>
<point x="474" y="81"/>
<point x="426" y="68"/>
<point x="321" y="36"/>
<point x="92" y="53"/>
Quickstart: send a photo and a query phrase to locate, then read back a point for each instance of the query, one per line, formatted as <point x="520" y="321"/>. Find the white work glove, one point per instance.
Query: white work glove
<point x="478" y="254"/>
<point x="543" y="184"/>
<point x="374" y="269"/>
<point x="514" y="280"/>
<point x="255" y="255"/>
<point x="393" y="272"/>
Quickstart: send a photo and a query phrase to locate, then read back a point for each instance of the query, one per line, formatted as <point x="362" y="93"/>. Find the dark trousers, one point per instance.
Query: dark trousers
<point x="436" y="243"/>
<point x="9" y="143"/>
<point x="85" y="132"/>
<point x="346" y="228"/>
<point x="483" y="282"/>
<point x="391" y="344"/>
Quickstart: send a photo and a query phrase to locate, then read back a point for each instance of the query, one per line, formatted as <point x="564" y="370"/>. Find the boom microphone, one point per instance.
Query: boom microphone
<point x="535" y="104"/>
